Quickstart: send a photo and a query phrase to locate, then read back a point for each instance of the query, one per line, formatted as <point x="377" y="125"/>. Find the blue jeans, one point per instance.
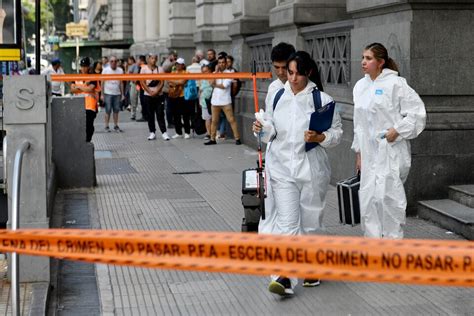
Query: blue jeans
<point x="112" y="102"/>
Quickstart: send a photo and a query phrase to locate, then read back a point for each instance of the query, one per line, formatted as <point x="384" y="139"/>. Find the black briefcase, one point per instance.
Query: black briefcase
<point x="348" y="199"/>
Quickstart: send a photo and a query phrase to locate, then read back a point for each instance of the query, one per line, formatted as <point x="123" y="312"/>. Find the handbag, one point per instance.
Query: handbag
<point x="348" y="200"/>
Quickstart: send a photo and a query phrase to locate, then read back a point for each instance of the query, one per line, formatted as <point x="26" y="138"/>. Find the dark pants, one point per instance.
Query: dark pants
<point x="169" y="113"/>
<point x="144" y="105"/>
<point x="181" y="110"/>
<point x="90" y="117"/>
<point x="156" y="105"/>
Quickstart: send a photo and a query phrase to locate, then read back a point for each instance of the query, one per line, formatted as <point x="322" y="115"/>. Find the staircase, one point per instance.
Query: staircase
<point x="455" y="213"/>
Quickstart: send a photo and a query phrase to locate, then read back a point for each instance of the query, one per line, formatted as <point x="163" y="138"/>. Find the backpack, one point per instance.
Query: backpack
<point x="235" y="88"/>
<point x="191" y="90"/>
<point x="316" y="98"/>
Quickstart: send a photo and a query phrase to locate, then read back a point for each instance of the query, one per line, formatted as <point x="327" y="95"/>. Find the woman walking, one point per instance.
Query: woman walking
<point x="297" y="179"/>
<point x="387" y="113"/>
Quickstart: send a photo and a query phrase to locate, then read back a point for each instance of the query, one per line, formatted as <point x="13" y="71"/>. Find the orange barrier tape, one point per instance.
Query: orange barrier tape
<point x="162" y="76"/>
<point x="336" y="258"/>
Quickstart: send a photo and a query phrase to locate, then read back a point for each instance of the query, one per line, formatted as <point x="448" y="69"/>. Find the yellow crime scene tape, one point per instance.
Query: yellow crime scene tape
<point x="430" y="262"/>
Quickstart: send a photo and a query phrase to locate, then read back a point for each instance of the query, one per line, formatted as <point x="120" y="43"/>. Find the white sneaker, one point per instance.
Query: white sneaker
<point x="177" y="136"/>
<point x="152" y="136"/>
<point x="187" y="136"/>
<point x="165" y="136"/>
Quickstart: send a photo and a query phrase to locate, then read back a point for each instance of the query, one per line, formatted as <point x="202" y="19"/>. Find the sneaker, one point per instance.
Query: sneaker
<point x="133" y="118"/>
<point x="177" y="136"/>
<point x="107" y="129"/>
<point x="207" y="137"/>
<point x="165" y="136"/>
<point x="210" y="142"/>
<point x="152" y="136"/>
<point x="281" y="286"/>
<point x="311" y="282"/>
<point x="141" y="119"/>
<point x="187" y="136"/>
<point x="129" y="108"/>
<point x="238" y="142"/>
<point x="117" y="129"/>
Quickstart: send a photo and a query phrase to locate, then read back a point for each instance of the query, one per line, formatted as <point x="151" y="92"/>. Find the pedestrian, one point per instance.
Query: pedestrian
<point x="205" y="94"/>
<point x="89" y="90"/>
<point x="279" y="55"/>
<point x="211" y="59"/>
<point x="133" y="69"/>
<point x="221" y="101"/>
<point x="179" y="107"/>
<point x="297" y="180"/>
<point x="154" y="99"/>
<point x="141" y="93"/>
<point x="97" y="69"/>
<point x="112" y="94"/>
<point x="57" y="87"/>
<point x="387" y="113"/>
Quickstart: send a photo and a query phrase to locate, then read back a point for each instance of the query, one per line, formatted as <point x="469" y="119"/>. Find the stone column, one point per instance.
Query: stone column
<point x="289" y="15"/>
<point x="152" y="24"/>
<point x="182" y="14"/>
<point x="26" y="118"/>
<point x="138" y="27"/>
<point x="212" y="23"/>
<point x="432" y="44"/>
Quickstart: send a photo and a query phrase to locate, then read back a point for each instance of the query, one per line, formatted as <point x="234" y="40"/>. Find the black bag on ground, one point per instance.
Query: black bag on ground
<point x="250" y="201"/>
<point x="348" y="200"/>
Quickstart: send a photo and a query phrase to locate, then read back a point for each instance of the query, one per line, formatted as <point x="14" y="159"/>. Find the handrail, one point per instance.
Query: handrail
<point x="16" y="182"/>
<point x="5" y="174"/>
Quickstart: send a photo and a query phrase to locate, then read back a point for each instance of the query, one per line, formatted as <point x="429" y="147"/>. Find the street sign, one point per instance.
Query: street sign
<point x="53" y="39"/>
<point x="77" y="29"/>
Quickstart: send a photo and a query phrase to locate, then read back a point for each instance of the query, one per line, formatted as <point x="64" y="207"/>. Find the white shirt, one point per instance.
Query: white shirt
<point x="112" y="87"/>
<point x="146" y="70"/>
<point x="221" y="97"/>
<point x="194" y="68"/>
<point x="56" y="86"/>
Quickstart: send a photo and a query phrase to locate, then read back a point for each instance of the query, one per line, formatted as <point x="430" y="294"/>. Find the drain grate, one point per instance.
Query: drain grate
<point x="114" y="166"/>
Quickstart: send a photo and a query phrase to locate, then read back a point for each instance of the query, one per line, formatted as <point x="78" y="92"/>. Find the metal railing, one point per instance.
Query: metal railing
<point x="16" y="182"/>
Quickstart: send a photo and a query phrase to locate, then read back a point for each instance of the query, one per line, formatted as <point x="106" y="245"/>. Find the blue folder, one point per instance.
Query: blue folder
<point x="321" y="121"/>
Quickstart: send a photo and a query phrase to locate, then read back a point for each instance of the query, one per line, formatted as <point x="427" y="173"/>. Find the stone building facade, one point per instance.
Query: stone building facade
<point x="430" y="40"/>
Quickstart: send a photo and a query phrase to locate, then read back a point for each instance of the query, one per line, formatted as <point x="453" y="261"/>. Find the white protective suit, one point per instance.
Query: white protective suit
<point x="381" y="104"/>
<point x="297" y="181"/>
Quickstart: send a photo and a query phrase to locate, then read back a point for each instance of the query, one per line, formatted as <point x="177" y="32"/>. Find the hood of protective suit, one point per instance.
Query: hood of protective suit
<point x="385" y="74"/>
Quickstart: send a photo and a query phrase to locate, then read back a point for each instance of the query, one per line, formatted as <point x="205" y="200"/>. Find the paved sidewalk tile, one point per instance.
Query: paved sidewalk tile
<point x="183" y="185"/>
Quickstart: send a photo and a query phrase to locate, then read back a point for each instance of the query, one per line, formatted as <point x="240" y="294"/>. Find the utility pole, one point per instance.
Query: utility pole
<point x="38" y="34"/>
<point x="76" y="21"/>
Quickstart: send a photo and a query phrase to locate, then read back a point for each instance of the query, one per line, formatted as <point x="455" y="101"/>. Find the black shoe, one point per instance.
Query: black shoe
<point x="133" y="118"/>
<point x="211" y="142"/>
<point x="117" y="129"/>
<point x="311" y="282"/>
<point x="238" y="142"/>
<point x="282" y="287"/>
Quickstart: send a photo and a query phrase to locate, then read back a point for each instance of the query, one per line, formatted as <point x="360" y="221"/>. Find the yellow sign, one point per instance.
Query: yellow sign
<point x="10" y="54"/>
<point x="77" y="29"/>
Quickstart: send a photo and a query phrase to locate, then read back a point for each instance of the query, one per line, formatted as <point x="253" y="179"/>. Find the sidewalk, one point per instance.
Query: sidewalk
<point x="183" y="185"/>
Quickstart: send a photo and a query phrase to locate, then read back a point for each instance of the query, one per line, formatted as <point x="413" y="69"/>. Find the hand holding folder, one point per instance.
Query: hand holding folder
<point x="320" y="121"/>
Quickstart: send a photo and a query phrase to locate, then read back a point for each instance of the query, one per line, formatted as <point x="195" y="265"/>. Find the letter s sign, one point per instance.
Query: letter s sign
<point x="25" y="98"/>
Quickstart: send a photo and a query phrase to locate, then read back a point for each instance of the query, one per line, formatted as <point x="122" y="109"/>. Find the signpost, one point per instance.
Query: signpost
<point x="77" y="30"/>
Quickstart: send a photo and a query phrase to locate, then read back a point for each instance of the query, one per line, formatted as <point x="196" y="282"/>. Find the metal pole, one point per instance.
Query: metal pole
<point x="38" y="39"/>
<point x="16" y="182"/>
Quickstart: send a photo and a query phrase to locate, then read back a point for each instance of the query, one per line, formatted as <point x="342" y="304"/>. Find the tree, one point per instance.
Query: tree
<point x="57" y="11"/>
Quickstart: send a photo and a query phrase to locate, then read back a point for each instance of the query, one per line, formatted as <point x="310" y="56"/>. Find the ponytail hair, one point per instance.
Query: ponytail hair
<point x="306" y="66"/>
<point x="381" y="53"/>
